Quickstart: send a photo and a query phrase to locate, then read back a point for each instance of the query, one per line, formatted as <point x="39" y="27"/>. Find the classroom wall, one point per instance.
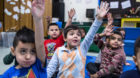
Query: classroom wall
<point x="80" y="7"/>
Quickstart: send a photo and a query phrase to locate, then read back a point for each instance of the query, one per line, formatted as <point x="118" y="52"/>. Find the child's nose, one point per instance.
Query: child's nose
<point x="28" y="56"/>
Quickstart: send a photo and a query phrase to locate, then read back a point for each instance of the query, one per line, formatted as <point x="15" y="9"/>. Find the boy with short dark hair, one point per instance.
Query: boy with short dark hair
<point x="112" y="56"/>
<point x="56" y="38"/>
<point x="29" y="63"/>
<point x="70" y="58"/>
<point x="136" y="58"/>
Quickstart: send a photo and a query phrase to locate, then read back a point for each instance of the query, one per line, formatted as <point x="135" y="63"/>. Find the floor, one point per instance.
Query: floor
<point x="5" y="51"/>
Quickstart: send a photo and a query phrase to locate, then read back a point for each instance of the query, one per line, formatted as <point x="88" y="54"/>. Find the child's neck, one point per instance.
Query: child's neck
<point x="69" y="47"/>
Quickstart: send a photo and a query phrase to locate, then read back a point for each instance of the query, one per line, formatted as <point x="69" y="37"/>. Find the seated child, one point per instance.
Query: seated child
<point x="136" y="57"/>
<point x="29" y="63"/>
<point x="70" y="58"/>
<point x="56" y="38"/>
<point x="112" y="56"/>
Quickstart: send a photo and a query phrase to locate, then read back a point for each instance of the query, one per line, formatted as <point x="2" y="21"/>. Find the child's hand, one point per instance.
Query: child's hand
<point x="102" y="11"/>
<point x="127" y="64"/>
<point x="71" y="13"/>
<point x="110" y="19"/>
<point x="108" y="30"/>
<point x="38" y="7"/>
<point x="48" y="19"/>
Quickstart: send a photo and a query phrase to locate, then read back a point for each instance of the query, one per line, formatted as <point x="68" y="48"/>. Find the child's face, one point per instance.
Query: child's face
<point x="115" y="41"/>
<point x="83" y="33"/>
<point x="137" y="59"/>
<point x="73" y="38"/>
<point x="25" y="54"/>
<point x="53" y="31"/>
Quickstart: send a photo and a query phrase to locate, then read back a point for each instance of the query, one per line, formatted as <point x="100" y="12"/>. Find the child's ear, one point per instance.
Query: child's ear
<point x="135" y="60"/>
<point x="13" y="51"/>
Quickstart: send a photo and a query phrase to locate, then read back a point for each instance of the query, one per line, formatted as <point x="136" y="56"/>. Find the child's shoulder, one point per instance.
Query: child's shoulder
<point x="10" y="71"/>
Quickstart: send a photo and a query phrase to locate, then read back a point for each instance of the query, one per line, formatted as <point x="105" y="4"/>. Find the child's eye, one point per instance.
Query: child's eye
<point x="113" y="38"/>
<point x="79" y="34"/>
<point x="22" y="51"/>
<point x="119" y="39"/>
<point x="33" y="51"/>
<point x="56" y="29"/>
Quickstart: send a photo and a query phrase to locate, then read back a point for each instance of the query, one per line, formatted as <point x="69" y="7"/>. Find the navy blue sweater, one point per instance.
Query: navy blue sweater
<point x="131" y="74"/>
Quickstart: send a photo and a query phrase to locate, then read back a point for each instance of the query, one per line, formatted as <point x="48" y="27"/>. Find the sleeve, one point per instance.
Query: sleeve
<point x="8" y="73"/>
<point x="53" y="64"/>
<point x="39" y="65"/>
<point x="113" y="65"/>
<point x="89" y="37"/>
<point x="61" y="39"/>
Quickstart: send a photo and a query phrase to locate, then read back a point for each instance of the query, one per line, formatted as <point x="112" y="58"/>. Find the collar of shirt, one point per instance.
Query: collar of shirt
<point x="68" y="50"/>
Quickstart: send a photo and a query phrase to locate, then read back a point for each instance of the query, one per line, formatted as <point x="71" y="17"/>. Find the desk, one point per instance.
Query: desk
<point x="129" y="22"/>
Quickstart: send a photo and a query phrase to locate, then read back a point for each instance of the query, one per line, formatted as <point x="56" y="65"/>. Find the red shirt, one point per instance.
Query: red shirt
<point x="52" y="44"/>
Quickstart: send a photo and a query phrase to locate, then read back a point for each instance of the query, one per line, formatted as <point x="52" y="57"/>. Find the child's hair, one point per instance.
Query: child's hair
<point x="24" y="35"/>
<point x="52" y="24"/>
<point x="137" y="46"/>
<point x="71" y="27"/>
<point x="120" y="29"/>
<point x="118" y="33"/>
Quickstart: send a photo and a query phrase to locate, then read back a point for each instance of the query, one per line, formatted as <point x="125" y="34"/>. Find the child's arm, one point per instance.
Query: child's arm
<point x="101" y="12"/>
<point x="71" y="13"/>
<point x="53" y="64"/>
<point x="38" y="7"/>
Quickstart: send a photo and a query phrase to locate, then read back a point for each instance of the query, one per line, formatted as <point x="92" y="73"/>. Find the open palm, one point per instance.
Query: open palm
<point x="102" y="11"/>
<point x="71" y="13"/>
<point x="38" y="7"/>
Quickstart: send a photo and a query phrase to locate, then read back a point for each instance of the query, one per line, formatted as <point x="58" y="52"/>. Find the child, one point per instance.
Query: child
<point x="83" y="32"/>
<point x="70" y="58"/>
<point x="136" y="58"/>
<point x="30" y="64"/>
<point x="112" y="56"/>
<point x="56" y="40"/>
<point x="107" y="28"/>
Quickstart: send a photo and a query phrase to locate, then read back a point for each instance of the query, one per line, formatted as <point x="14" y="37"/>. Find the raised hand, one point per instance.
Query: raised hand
<point x="102" y="11"/>
<point x="110" y="19"/>
<point x="38" y="8"/>
<point x="108" y="30"/>
<point x="71" y="13"/>
<point x="48" y="19"/>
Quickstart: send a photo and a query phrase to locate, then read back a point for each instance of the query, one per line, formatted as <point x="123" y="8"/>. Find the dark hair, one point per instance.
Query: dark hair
<point x="24" y="35"/>
<point x="52" y="24"/>
<point x="71" y="27"/>
<point x="118" y="33"/>
<point x="137" y="46"/>
<point x="120" y="29"/>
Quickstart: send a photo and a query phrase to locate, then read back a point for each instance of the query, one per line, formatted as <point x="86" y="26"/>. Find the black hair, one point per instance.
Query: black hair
<point x="71" y="27"/>
<point x="120" y="29"/>
<point x="118" y="33"/>
<point x="24" y="35"/>
<point x="137" y="46"/>
<point x="52" y="24"/>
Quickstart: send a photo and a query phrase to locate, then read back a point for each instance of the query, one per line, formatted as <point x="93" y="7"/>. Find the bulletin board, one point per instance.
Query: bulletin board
<point x="121" y="6"/>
